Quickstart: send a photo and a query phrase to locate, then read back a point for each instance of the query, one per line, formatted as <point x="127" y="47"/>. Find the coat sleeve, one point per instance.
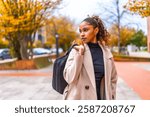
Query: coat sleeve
<point x="73" y="66"/>
<point x="114" y="79"/>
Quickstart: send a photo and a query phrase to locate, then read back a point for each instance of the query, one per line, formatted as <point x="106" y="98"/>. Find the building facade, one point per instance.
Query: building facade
<point x="41" y="35"/>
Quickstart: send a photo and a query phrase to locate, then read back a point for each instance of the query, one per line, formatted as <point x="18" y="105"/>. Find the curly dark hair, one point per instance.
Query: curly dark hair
<point x="103" y="35"/>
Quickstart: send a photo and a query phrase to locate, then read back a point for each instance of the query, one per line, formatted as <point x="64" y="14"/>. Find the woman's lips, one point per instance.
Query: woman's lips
<point x="83" y="39"/>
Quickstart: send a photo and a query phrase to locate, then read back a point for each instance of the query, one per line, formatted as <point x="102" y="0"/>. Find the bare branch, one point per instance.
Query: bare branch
<point x="111" y="12"/>
<point x="129" y="24"/>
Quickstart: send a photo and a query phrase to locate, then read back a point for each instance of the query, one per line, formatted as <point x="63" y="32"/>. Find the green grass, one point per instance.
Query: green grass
<point x="42" y="62"/>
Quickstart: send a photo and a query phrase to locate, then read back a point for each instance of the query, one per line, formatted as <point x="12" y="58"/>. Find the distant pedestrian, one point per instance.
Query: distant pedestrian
<point x="90" y="71"/>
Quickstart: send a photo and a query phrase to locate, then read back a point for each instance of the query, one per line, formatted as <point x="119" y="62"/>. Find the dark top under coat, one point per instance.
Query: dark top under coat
<point x="98" y="63"/>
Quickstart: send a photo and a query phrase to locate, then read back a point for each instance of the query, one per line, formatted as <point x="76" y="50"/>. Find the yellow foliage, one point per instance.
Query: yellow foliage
<point x="65" y="29"/>
<point x="125" y="36"/>
<point x="142" y="7"/>
<point x="21" y="15"/>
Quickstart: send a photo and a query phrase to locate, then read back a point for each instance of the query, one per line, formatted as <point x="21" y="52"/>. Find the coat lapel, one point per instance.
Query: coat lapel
<point x="106" y="55"/>
<point x="88" y="64"/>
<point x="106" y="52"/>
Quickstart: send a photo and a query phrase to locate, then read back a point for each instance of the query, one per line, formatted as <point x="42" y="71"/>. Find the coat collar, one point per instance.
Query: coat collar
<point x="106" y="52"/>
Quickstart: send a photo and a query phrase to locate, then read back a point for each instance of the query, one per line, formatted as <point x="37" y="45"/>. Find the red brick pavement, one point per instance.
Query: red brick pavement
<point x="26" y="74"/>
<point x="136" y="77"/>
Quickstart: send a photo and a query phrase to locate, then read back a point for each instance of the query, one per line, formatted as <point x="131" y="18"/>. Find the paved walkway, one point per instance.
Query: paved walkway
<point x="27" y="84"/>
<point x="140" y="54"/>
<point x="137" y="76"/>
<point x="36" y="85"/>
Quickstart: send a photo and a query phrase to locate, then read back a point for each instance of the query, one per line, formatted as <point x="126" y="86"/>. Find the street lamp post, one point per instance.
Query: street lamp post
<point x="57" y="52"/>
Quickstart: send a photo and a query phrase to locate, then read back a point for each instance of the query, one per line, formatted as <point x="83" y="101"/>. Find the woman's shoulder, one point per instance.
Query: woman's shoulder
<point x="73" y="52"/>
<point x="105" y="47"/>
<point x="107" y="51"/>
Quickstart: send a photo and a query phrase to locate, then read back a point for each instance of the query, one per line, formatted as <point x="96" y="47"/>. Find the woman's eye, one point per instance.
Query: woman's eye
<point x="85" y="30"/>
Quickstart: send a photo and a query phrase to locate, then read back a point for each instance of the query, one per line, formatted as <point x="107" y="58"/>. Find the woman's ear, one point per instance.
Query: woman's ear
<point x="96" y="30"/>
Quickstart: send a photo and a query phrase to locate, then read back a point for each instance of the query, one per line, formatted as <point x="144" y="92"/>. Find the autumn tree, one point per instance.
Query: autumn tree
<point x="62" y="26"/>
<point x="114" y="15"/>
<point x="20" y="19"/>
<point x="141" y="7"/>
<point x="3" y="43"/>
<point x="125" y="35"/>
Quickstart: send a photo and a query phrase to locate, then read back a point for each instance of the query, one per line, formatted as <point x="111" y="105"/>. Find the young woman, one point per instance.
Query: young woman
<point x="90" y="70"/>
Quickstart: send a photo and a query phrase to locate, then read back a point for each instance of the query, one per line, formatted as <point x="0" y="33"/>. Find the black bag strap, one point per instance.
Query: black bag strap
<point x="70" y="49"/>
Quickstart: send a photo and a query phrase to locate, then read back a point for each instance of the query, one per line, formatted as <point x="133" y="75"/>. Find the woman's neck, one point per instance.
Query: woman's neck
<point x="94" y="41"/>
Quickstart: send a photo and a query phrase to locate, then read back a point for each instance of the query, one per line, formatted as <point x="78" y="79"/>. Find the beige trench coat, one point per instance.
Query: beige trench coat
<point x="79" y="73"/>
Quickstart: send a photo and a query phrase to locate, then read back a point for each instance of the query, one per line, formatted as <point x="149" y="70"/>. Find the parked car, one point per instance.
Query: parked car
<point x="53" y="50"/>
<point x="5" y="54"/>
<point x="41" y="51"/>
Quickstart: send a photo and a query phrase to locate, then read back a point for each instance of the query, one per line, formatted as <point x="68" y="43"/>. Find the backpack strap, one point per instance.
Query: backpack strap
<point x="69" y="50"/>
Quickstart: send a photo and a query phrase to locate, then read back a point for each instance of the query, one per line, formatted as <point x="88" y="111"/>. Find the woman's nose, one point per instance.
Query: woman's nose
<point x="82" y="34"/>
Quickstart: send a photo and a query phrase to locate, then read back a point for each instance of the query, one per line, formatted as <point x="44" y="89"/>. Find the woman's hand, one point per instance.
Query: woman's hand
<point x="80" y="49"/>
<point x="80" y="46"/>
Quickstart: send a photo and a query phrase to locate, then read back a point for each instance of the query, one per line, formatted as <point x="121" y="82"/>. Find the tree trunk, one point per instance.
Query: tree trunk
<point x="31" y="41"/>
<point x="23" y="49"/>
<point x="118" y="25"/>
<point x="15" y="45"/>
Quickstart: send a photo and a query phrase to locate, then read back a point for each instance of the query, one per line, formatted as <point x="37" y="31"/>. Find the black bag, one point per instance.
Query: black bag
<point x="58" y="81"/>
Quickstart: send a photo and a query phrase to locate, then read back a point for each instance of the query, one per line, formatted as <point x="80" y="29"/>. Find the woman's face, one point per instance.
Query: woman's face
<point x="88" y="32"/>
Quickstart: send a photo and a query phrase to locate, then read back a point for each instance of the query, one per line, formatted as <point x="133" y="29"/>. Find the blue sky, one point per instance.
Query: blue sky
<point x="77" y="10"/>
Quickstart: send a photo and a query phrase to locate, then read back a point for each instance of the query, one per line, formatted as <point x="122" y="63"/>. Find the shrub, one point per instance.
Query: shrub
<point x="125" y="58"/>
<point x="36" y="63"/>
